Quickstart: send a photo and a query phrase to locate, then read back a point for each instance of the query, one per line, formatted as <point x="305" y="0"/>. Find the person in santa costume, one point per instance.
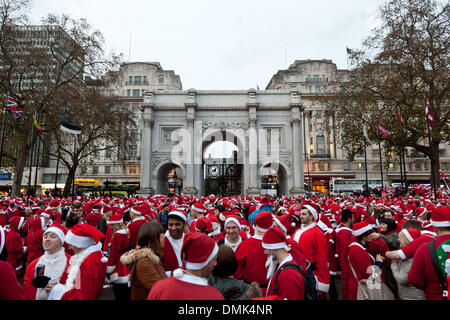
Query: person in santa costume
<point x="344" y="236"/>
<point x="173" y="241"/>
<point x="250" y="254"/>
<point x="197" y="211"/>
<point x="361" y="262"/>
<point x="86" y="274"/>
<point x="34" y="239"/>
<point x="117" y="272"/>
<point x="15" y="245"/>
<point x="199" y="254"/>
<point x="137" y="220"/>
<point x="51" y="264"/>
<point x="232" y="227"/>
<point x="422" y="274"/>
<point x="10" y="288"/>
<point x="287" y="283"/>
<point x="400" y="269"/>
<point x="314" y="245"/>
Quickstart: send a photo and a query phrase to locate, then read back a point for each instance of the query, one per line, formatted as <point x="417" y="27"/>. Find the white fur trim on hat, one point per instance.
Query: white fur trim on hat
<point x="2" y="238"/>
<point x="178" y="214"/>
<point x="232" y="219"/>
<point x="222" y="217"/>
<point x="78" y="241"/>
<point x="136" y="212"/>
<point x="407" y="235"/>
<point x="200" y="265"/>
<point x="440" y="224"/>
<point x="280" y="224"/>
<point x="362" y="230"/>
<point x="274" y="246"/>
<point x="58" y="232"/>
<point x="21" y="221"/>
<point x="312" y="211"/>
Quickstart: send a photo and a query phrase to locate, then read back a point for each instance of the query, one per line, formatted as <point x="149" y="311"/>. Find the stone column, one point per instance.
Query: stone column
<point x="254" y="186"/>
<point x="297" y="149"/>
<point x="190" y="106"/>
<point x="146" y="147"/>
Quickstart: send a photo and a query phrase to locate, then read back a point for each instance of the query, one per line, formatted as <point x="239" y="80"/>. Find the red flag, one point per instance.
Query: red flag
<point x="400" y="119"/>
<point x="429" y="113"/>
<point x="383" y="130"/>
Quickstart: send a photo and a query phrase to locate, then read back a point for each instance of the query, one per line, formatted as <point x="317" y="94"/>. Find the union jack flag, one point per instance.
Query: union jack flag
<point x="13" y="108"/>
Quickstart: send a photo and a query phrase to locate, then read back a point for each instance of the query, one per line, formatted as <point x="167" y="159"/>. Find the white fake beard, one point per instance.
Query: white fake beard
<point x="270" y="266"/>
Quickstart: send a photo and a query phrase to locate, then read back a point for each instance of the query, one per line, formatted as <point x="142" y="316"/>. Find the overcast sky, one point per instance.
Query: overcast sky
<point x="233" y="44"/>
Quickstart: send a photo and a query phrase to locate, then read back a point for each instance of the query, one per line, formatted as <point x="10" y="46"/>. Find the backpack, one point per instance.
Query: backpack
<point x="311" y="290"/>
<point x="437" y="269"/>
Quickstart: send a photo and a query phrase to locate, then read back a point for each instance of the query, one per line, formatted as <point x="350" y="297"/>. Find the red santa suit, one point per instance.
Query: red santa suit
<point x="87" y="272"/>
<point x="360" y="260"/>
<point x="172" y="252"/>
<point x="53" y="266"/>
<point x="134" y="227"/>
<point x="34" y="239"/>
<point x="14" y="244"/>
<point x="10" y="288"/>
<point x="344" y="236"/>
<point x="251" y="261"/>
<point x="187" y="287"/>
<point x="422" y="274"/>
<point x="198" y="250"/>
<point x="117" y="270"/>
<point x="409" y="250"/>
<point x="3" y="220"/>
<point x="290" y="283"/>
<point x="313" y="244"/>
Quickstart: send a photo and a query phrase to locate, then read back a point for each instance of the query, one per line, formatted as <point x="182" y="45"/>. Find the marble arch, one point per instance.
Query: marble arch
<point x="267" y="126"/>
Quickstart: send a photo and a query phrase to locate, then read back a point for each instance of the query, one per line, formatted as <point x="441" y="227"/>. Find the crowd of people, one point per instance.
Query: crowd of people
<point x="186" y="247"/>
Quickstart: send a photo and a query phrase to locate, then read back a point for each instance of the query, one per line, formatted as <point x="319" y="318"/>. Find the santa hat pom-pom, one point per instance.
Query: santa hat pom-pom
<point x="336" y="255"/>
<point x="104" y="259"/>
<point x="293" y="224"/>
<point x="178" y="273"/>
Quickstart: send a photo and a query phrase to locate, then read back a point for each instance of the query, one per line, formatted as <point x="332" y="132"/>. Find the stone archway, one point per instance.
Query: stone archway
<point x="169" y="179"/>
<point x="274" y="174"/>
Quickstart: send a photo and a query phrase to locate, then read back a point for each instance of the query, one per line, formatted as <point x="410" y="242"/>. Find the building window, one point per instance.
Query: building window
<point x="94" y="169"/>
<point x="107" y="169"/>
<point x="135" y="106"/>
<point x="136" y="92"/>
<point x="417" y="166"/>
<point x="137" y="80"/>
<point x="160" y="79"/>
<point x="442" y="152"/>
<point x="108" y="154"/>
<point x="361" y="166"/>
<point x="316" y="78"/>
<point x="128" y="92"/>
<point x="324" y="89"/>
<point x="310" y="89"/>
<point x="346" y="166"/>
<point x="375" y="153"/>
<point x="130" y="80"/>
<point x="317" y="89"/>
<point x="145" y="80"/>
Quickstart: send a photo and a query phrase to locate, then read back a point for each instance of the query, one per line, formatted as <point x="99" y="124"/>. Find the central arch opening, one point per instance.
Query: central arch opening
<point x="222" y="164"/>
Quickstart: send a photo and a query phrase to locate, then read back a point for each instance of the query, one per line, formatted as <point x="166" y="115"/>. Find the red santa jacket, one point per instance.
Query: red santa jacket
<point x="34" y="240"/>
<point x="134" y="227"/>
<point x="185" y="288"/>
<point x="3" y="220"/>
<point x="344" y="236"/>
<point x="10" y="288"/>
<point x="119" y="245"/>
<point x="360" y="260"/>
<point x="377" y="246"/>
<point x="409" y="250"/>
<point x="85" y="280"/>
<point x="422" y="274"/>
<point x="314" y="245"/>
<point x="171" y="257"/>
<point x="290" y="283"/>
<point x="30" y="275"/>
<point x="14" y="245"/>
<point x="251" y="261"/>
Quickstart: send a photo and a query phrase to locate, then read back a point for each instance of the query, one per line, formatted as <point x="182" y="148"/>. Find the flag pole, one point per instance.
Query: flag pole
<point x="432" y="163"/>
<point x="365" y="169"/>
<point x="402" y="182"/>
<point x="404" y="168"/>
<point x="381" y="165"/>
<point x="3" y="129"/>
<point x="37" y="153"/>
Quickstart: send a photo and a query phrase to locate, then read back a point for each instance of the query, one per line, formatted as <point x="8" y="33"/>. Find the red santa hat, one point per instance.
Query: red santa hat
<point x="2" y="238"/>
<point x="198" y="207"/>
<point x="59" y="230"/>
<point x="411" y="234"/>
<point x="137" y="210"/>
<point x="116" y="218"/>
<point x="284" y="223"/>
<point x="197" y="251"/>
<point x="360" y="228"/>
<point x="83" y="236"/>
<point x="274" y="239"/>
<point x="203" y="224"/>
<point x="54" y="204"/>
<point x="235" y="219"/>
<point x="420" y="211"/>
<point x="177" y="213"/>
<point x="47" y="213"/>
<point x="440" y="217"/>
<point x="263" y="221"/>
<point x="224" y="215"/>
<point x="312" y="210"/>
